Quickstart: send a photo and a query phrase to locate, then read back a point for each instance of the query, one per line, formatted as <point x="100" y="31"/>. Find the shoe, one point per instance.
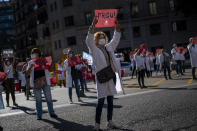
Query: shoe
<point x="111" y="125"/>
<point x="97" y="127"/>
<point x="7" y="105"/>
<point x="39" y="118"/>
<point x="166" y="78"/>
<point x="79" y="100"/>
<point x="15" y="104"/>
<point x="71" y="102"/>
<point x="54" y="116"/>
<point x="145" y="86"/>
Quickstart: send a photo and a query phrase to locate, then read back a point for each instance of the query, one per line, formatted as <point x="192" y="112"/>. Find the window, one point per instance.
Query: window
<point x="123" y="36"/>
<point x="136" y="31"/>
<point x="155" y="29"/>
<point x="57" y="24"/>
<point x="171" y="4"/>
<point x="55" y="45"/>
<point x="51" y="7"/>
<point x="134" y="9"/>
<point x="67" y="3"/>
<point x="71" y="41"/>
<point x="69" y="21"/>
<point x="55" y="5"/>
<point x="179" y="26"/>
<point x="60" y="44"/>
<point x="53" y="24"/>
<point x="88" y="18"/>
<point x="153" y="8"/>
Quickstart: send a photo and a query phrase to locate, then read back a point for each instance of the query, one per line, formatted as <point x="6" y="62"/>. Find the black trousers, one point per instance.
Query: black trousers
<point x="193" y="72"/>
<point x="140" y="75"/>
<point x="167" y="68"/>
<point x="10" y="88"/>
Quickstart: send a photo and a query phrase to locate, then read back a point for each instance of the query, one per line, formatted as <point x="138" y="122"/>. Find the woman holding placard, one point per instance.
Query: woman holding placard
<point x="108" y="82"/>
<point x="9" y="82"/>
<point x="40" y="81"/>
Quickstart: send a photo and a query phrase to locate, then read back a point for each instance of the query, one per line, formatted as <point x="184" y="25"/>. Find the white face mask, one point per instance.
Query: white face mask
<point x="33" y="56"/>
<point x="102" y="42"/>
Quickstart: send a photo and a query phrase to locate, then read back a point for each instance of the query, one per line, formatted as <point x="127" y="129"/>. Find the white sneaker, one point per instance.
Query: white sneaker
<point x="111" y="125"/>
<point x="97" y="127"/>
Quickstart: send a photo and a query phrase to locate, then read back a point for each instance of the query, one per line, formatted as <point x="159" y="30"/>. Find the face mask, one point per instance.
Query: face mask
<point x="33" y="56"/>
<point x="70" y="55"/>
<point x="102" y="42"/>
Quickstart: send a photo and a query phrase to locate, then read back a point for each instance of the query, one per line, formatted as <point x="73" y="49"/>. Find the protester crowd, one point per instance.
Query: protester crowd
<point x="105" y="72"/>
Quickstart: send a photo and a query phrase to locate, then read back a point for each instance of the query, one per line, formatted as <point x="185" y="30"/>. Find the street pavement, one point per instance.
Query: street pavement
<point x="164" y="105"/>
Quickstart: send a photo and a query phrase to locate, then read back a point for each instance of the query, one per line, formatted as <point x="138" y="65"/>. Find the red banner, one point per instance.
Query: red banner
<point x="74" y="60"/>
<point x="85" y="61"/>
<point x="20" y="63"/>
<point x="59" y="72"/>
<point x="195" y="40"/>
<point x="2" y="76"/>
<point x="43" y="63"/>
<point x="143" y="48"/>
<point x="132" y="53"/>
<point x="106" y="17"/>
<point x="150" y="54"/>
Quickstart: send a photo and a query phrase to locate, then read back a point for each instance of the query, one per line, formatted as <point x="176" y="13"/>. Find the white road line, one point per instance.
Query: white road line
<point x="120" y="96"/>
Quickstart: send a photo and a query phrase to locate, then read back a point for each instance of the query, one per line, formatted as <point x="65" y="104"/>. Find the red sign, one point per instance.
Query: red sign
<point x="106" y="17"/>
<point x="2" y="76"/>
<point x="150" y="54"/>
<point x="20" y="63"/>
<point x="132" y="54"/>
<point x="143" y="48"/>
<point x="74" y="60"/>
<point x="180" y="49"/>
<point x="43" y="63"/>
<point x="85" y="61"/>
<point x="159" y="51"/>
<point x="195" y="40"/>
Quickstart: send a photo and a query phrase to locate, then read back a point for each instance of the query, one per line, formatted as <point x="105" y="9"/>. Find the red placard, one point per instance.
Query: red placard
<point x="106" y="17"/>
<point x="2" y="76"/>
<point x="150" y="54"/>
<point x="85" y="61"/>
<point x="20" y="63"/>
<point x="132" y="53"/>
<point x="194" y="40"/>
<point x="43" y="63"/>
<point x="74" y="60"/>
<point x="143" y="48"/>
<point x="180" y="49"/>
<point x="159" y="51"/>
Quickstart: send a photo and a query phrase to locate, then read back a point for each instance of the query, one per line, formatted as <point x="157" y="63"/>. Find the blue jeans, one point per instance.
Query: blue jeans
<point x="99" y="108"/>
<point x="1" y="98"/>
<point x="157" y="68"/>
<point x="38" y="97"/>
<point x="77" y="87"/>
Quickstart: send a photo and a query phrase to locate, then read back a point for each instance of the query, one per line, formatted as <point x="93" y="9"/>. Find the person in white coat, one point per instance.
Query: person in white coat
<point x="176" y="58"/>
<point x="103" y="56"/>
<point x="72" y="78"/>
<point x="192" y="47"/>
<point x="140" y="67"/>
<point x="182" y="59"/>
<point x="61" y="75"/>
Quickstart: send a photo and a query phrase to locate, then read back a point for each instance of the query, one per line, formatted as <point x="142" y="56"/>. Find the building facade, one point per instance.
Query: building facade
<point x="6" y="25"/>
<point x="31" y="25"/>
<point x="155" y="22"/>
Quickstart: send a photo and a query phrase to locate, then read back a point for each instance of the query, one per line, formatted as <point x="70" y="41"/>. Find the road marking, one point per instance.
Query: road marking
<point x="190" y="81"/>
<point x="158" y="82"/>
<point x="120" y="96"/>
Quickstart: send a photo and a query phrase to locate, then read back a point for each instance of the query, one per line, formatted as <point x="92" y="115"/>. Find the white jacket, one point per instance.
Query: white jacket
<point x="68" y="74"/>
<point x="193" y="54"/>
<point x="140" y="61"/>
<point x="99" y="60"/>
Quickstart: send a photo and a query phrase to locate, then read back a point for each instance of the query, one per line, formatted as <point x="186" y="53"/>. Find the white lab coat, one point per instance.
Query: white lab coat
<point x="140" y="61"/>
<point x="147" y="62"/>
<point x="175" y="54"/>
<point x="193" y="54"/>
<point x="21" y="77"/>
<point x="99" y="60"/>
<point x="62" y="75"/>
<point x="68" y="74"/>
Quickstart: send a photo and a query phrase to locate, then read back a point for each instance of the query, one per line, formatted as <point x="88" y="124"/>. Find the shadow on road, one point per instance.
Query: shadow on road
<point x="63" y="125"/>
<point x="94" y="105"/>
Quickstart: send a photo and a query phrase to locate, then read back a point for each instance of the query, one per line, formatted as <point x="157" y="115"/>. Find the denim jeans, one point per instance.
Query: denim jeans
<point x="166" y="67"/>
<point x="99" y="108"/>
<point x="179" y="67"/>
<point x="77" y="87"/>
<point x="1" y="98"/>
<point x="38" y="97"/>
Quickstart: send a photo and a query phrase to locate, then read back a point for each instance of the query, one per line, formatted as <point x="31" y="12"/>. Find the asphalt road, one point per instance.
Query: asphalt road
<point x="165" y="105"/>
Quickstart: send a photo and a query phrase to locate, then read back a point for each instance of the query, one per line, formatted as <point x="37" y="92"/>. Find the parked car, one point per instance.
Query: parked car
<point x="125" y="69"/>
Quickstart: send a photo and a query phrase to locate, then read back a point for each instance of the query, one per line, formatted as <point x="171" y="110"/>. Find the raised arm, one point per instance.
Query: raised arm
<point x="116" y="37"/>
<point x="90" y="36"/>
<point x="14" y="60"/>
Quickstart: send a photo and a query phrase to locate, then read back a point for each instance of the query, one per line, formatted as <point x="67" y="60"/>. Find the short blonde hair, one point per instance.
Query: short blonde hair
<point x="97" y="35"/>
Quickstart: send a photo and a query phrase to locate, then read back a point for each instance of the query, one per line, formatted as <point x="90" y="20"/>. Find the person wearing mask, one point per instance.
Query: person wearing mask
<point x="72" y="77"/>
<point x="164" y="60"/>
<point x="21" y="78"/>
<point x="61" y="75"/>
<point x="176" y="58"/>
<point x="9" y="82"/>
<point x="40" y="81"/>
<point x="104" y="60"/>
<point x="192" y="47"/>
<point x="140" y="67"/>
